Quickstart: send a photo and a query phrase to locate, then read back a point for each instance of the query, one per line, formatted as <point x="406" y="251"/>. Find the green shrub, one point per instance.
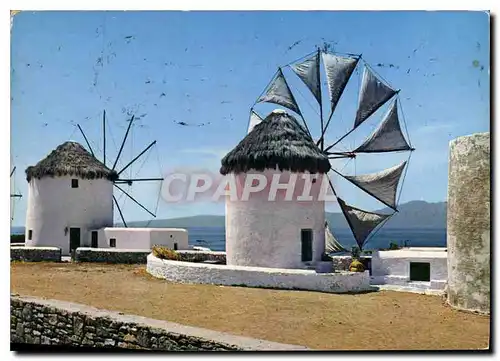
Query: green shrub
<point x="165" y="253"/>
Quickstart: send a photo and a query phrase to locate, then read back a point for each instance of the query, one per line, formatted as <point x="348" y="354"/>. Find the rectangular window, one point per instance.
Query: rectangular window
<point x="175" y="246"/>
<point x="306" y="239"/>
<point x="30" y="234"/>
<point x="420" y="271"/>
<point x="112" y="242"/>
<point x="94" y="242"/>
<point x="74" y="183"/>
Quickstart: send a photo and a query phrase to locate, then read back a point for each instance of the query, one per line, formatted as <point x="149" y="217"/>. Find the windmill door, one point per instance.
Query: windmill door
<point x="74" y="239"/>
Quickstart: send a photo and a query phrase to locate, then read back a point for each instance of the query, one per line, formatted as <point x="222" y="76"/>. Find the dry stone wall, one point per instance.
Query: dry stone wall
<point x="51" y="322"/>
<point x="35" y="254"/>
<point x="139" y="256"/>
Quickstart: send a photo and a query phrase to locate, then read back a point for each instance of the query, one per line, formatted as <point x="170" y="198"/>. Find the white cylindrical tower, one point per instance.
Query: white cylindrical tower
<point x="285" y="232"/>
<point x="468" y="223"/>
<point x="70" y="192"/>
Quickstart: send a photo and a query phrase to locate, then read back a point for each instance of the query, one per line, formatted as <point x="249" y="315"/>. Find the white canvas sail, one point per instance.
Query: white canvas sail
<point x="362" y="223"/>
<point x="338" y="71"/>
<point x="331" y="243"/>
<point x="308" y="72"/>
<point x="381" y="185"/>
<point x="254" y="120"/>
<point x="279" y="93"/>
<point x="388" y="136"/>
<point x="373" y="94"/>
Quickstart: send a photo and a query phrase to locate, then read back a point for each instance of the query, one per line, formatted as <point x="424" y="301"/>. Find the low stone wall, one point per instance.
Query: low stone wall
<point x="51" y="322"/>
<point x="111" y="255"/>
<point x="342" y="263"/>
<point x="186" y="272"/>
<point x="201" y="256"/>
<point x="35" y="254"/>
<point x="139" y="256"/>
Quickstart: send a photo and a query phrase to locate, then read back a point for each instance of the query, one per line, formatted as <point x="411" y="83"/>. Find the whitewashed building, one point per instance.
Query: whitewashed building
<point x="412" y="267"/>
<point x="138" y="238"/>
<point x="281" y="233"/>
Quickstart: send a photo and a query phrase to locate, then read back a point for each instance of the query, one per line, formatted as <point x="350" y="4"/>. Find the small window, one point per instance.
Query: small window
<point x="420" y="271"/>
<point x="112" y="242"/>
<point x="30" y="234"/>
<point x="175" y="246"/>
<point x="306" y="239"/>
<point x="74" y="183"/>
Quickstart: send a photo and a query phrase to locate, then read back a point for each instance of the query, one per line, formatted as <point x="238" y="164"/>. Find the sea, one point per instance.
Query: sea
<point x="215" y="237"/>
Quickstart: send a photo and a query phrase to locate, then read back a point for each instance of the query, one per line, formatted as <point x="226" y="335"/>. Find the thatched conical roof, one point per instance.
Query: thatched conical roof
<point x="70" y="159"/>
<point x="278" y="141"/>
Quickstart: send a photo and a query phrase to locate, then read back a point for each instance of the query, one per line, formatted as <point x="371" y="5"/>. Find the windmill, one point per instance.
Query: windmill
<point x="387" y="137"/>
<point x="14" y="196"/>
<point x="119" y="179"/>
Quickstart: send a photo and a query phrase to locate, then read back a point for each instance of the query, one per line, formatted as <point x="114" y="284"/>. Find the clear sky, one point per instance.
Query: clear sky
<point x="208" y="68"/>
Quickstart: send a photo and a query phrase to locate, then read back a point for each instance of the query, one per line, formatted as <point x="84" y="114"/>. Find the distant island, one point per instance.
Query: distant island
<point x="414" y="214"/>
<point x="411" y="215"/>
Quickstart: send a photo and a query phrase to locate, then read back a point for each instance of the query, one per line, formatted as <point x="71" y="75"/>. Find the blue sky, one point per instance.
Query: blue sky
<point x="209" y="67"/>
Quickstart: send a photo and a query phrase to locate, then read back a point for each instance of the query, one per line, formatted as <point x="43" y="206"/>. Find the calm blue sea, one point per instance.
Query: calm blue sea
<point x="214" y="237"/>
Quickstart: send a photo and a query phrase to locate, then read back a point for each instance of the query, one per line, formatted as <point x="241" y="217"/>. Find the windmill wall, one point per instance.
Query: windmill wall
<point x="263" y="233"/>
<point x="54" y="207"/>
<point x="468" y="223"/>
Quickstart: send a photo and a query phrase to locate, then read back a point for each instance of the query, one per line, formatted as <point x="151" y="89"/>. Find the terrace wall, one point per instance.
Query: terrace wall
<point x="138" y="256"/>
<point x="35" y="254"/>
<point x="187" y="272"/>
<point x="52" y="322"/>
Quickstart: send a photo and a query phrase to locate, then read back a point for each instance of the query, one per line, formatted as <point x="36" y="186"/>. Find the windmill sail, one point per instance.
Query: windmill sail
<point x="388" y="137"/>
<point x="381" y="185"/>
<point x="331" y="243"/>
<point x="373" y="94"/>
<point x="308" y="72"/>
<point x="279" y="93"/>
<point x="362" y="223"/>
<point x="338" y="71"/>
<point x="254" y="120"/>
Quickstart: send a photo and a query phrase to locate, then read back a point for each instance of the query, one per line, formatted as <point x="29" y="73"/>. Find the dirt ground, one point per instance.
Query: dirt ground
<point x="371" y="321"/>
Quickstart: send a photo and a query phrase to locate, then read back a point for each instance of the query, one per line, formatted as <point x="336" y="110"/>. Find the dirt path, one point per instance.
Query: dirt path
<point x="373" y="321"/>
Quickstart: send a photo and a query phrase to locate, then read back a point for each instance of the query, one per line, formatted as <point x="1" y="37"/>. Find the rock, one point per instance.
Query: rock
<point x="26" y="313"/>
<point x="45" y="340"/>
<point x="20" y="329"/>
<point x="129" y="338"/>
<point x="109" y="342"/>
<point x="52" y="319"/>
<point x="36" y="333"/>
<point x="78" y="326"/>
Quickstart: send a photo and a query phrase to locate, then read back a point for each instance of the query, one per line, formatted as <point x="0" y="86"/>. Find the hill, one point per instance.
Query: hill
<point x="414" y="214"/>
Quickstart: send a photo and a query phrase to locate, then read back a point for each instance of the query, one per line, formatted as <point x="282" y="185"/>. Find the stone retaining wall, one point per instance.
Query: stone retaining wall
<point x="201" y="256"/>
<point x="187" y="272"/>
<point x="139" y="256"/>
<point x="111" y="255"/>
<point x="35" y="254"/>
<point x="52" y="322"/>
